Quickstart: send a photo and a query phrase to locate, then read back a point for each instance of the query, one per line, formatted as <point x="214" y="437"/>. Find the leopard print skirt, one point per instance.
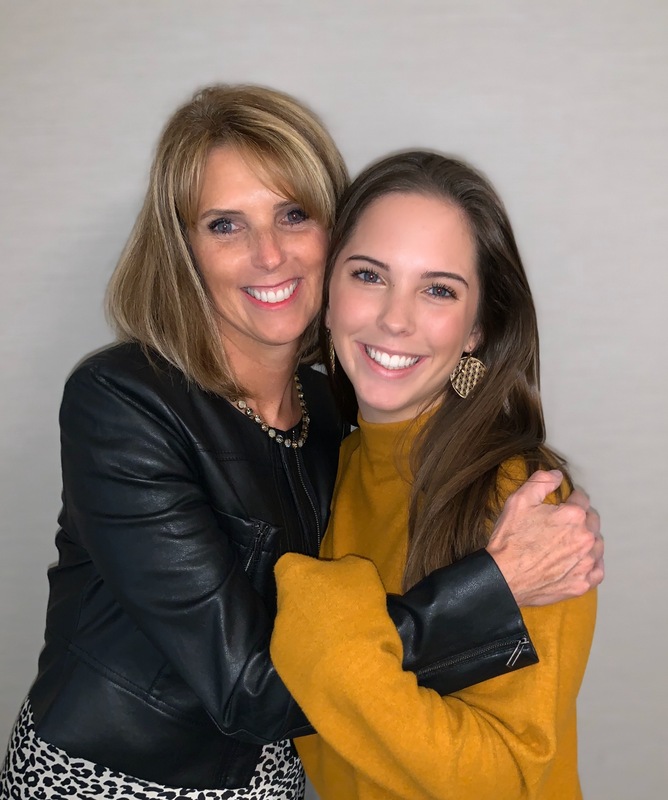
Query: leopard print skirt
<point x="36" y="770"/>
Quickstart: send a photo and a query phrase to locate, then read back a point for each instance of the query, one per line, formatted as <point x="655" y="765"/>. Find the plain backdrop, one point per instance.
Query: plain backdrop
<point x="563" y="104"/>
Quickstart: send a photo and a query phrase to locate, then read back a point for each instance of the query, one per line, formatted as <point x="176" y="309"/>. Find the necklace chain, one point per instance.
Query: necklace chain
<point x="272" y="433"/>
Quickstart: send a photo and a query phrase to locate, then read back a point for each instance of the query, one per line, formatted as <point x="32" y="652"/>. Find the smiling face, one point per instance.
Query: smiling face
<point x="261" y="259"/>
<point x="402" y="303"/>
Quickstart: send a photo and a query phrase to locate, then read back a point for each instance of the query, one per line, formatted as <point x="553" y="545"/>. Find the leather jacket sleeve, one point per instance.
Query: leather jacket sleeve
<point x="133" y="500"/>
<point x="460" y="625"/>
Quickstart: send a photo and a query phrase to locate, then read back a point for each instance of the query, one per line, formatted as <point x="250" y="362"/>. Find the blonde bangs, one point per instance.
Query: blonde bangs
<point x="294" y="172"/>
<point x="187" y="183"/>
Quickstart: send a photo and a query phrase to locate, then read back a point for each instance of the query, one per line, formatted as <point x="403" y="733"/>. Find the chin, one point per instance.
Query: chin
<point x="284" y="334"/>
<point x="377" y="411"/>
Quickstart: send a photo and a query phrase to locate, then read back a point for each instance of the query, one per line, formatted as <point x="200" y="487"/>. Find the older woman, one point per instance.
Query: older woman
<point x="199" y="449"/>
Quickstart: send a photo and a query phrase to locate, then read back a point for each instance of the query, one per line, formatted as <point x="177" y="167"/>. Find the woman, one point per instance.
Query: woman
<point x="433" y="324"/>
<point x="195" y="452"/>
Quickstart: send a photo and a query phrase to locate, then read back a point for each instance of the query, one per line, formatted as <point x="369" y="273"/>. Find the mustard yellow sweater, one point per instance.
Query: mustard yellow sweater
<point x="380" y="734"/>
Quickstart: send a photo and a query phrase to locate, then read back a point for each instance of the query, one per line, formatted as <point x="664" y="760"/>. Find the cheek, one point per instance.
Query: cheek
<point x="334" y="302"/>
<point x="315" y="253"/>
<point x="207" y="261"/>
<point x="338" y="298"/>
<point x="449" y="336"/>
<point x="220" y="266"/>
<point x="203" y="266"/>
<point x="348" y="314"/>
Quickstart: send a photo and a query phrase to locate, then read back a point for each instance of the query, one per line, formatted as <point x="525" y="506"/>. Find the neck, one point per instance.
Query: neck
<point x="268" y="379"/>
<point x="275" y="399"/>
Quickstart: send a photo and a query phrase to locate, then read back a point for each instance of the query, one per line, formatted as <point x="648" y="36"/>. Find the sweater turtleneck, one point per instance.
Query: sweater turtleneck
<point x="375" y="479"/>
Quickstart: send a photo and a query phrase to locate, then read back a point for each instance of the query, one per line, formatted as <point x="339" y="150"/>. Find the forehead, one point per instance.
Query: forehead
<point x="414" y="229"/>
<point x="228" y="170"/>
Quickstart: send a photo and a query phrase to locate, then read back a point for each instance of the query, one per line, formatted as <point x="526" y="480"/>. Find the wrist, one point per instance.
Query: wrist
<point x="507" y="566"/>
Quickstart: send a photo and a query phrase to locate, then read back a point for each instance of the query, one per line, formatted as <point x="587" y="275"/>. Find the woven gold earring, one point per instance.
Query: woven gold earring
<point x="466" y="374"/>
<point x="332" y="354"/>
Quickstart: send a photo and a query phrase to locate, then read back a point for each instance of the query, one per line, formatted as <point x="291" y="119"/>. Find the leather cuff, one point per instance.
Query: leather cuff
<point x="461" y="625"/>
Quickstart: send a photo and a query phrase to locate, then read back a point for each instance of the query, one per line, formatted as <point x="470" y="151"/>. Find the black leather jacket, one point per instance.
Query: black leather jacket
<point x="175" y="510"/>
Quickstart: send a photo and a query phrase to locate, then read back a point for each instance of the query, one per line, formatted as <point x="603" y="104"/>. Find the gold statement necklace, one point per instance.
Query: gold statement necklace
<point x="272" y="433"/>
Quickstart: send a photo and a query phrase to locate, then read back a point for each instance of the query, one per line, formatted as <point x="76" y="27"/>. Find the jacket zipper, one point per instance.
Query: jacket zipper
<point x="258" y="541"/>
<point x="517" y="652"/>
<point x="520" y="644"/>
<point x="315" y="514"/>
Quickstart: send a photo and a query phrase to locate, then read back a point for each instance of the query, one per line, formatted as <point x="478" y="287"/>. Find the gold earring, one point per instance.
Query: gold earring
<point x="466" y="374"/>
<point x="332" y="354"/>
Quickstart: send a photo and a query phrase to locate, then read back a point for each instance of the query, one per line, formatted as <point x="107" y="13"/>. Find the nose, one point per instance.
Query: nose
<point x="397" y="314"/>
<point x="267" y="250"/>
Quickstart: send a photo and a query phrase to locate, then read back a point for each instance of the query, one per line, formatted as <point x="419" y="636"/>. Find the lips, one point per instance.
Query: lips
<point x="390" y="361"/>
<point x="272" y="296"/>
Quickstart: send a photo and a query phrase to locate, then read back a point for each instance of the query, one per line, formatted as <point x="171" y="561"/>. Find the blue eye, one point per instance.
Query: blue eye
<point x="295" y="216"/>
<point x="440" y="291"/>
<point x="366" y="275"/>
<point x="222" y="225"/>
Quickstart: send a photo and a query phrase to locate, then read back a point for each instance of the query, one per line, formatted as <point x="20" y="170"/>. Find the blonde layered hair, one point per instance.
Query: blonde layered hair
<point x="156" y="296"/>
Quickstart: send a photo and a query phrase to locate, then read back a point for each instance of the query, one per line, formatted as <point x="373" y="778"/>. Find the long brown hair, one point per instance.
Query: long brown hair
<point x="156" y="296"/>
<point x="456" y="457"/>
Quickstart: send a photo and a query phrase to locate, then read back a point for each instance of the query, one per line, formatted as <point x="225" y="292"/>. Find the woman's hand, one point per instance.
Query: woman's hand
<point x="547" y="553"/>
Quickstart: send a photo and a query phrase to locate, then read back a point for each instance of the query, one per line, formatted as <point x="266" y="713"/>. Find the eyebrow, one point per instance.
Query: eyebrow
<point x="220" y="212"/>
<point x="453" y="276"/>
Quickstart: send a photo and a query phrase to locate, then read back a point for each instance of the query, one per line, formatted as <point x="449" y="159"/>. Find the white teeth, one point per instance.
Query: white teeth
<point x="271" y="296"/>
<point x="391" y="362"/>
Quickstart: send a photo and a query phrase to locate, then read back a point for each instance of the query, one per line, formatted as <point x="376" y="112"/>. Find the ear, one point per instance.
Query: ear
<point x="327" y="317"/>
<point x="474" y="339"/>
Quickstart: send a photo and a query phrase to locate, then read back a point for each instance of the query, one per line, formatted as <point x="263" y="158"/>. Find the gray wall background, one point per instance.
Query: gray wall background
<point x="563" y="104"/>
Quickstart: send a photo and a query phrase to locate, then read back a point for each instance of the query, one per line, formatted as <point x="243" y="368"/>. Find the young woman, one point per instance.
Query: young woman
<point x="433" y="324"/>
<point x="194" y="453"/>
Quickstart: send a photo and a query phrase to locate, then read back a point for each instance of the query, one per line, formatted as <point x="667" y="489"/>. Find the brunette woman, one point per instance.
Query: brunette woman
<point x="434" y="328"/>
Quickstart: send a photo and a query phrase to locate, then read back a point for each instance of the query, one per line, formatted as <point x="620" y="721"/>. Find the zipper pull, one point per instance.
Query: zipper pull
<point x="517" y="652"/>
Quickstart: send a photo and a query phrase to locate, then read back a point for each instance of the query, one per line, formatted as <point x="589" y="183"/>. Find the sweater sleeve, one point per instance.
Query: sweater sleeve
<point x="339" y="654"/>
